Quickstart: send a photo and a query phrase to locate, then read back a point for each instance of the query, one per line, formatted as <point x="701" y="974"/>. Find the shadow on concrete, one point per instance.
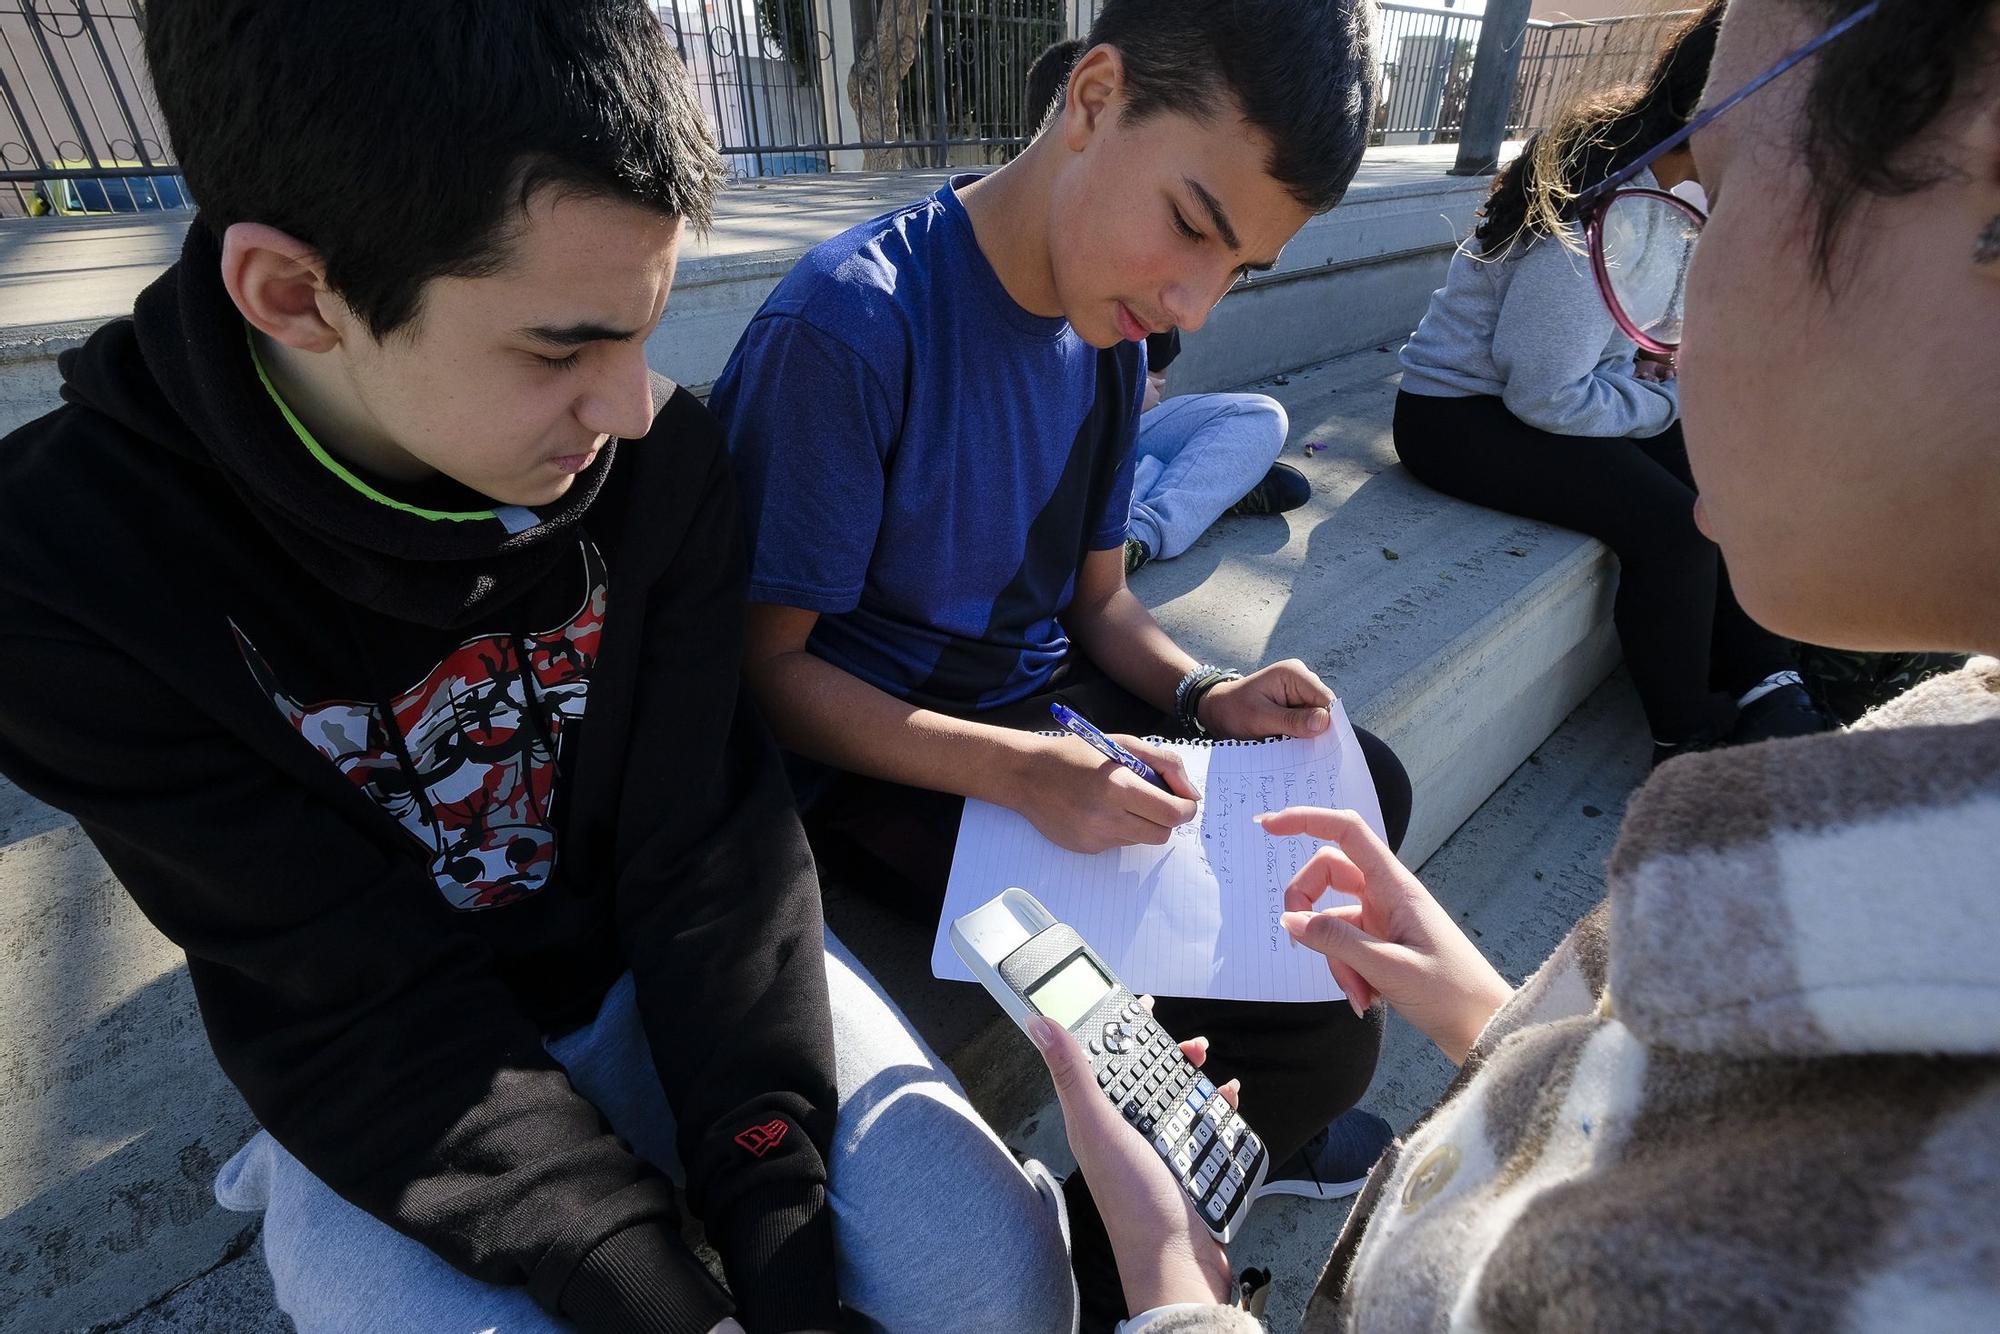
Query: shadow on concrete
<point x="113" y="1115"/>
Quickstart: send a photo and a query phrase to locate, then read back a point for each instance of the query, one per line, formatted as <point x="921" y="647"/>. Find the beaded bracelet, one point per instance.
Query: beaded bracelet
<point x="1194" y="688"/>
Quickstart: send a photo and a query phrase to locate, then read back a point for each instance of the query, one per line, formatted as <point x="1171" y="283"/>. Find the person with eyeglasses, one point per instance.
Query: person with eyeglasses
<point x="1523" y="392"/>
<point x="1758" y="1088"/>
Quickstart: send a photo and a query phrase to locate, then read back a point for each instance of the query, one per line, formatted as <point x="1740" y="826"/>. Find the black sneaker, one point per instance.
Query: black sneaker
<point x="1786" y="711"/>
<point x="1283" y="488"/>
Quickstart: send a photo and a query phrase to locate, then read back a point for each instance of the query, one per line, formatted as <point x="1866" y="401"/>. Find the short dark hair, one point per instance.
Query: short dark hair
<point x="400" y="140"/>
<point x="1877" y="92"/>
<point x="1301" y="71"/>
<point x="1047" y="78"/>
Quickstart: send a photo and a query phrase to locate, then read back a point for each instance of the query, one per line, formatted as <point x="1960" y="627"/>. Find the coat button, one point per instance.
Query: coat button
<point x="1432" y="1172"/>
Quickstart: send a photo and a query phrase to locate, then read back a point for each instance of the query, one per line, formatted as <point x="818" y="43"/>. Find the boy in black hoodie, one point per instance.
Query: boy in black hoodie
<point x="377" y="614"/>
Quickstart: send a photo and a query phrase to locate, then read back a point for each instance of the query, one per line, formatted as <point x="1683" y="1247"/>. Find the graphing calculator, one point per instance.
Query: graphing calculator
<point x="1034" y="964"/>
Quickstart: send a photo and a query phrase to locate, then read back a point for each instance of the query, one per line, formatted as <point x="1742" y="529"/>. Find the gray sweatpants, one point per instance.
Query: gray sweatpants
<point x="936" y="1226"/>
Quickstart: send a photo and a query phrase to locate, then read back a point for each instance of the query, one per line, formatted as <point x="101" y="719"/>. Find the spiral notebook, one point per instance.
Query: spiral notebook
<point x="1198" y="916"/>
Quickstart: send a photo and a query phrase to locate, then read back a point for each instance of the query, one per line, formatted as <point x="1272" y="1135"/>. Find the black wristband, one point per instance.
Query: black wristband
<point x="1194" y="688"/>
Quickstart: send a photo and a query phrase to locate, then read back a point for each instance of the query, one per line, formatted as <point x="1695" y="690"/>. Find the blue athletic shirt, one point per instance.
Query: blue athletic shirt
<point x="923" y="462"/>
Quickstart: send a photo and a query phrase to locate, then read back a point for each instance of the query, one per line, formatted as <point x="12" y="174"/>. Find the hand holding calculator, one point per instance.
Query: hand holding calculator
<point x="1035" y="965"/>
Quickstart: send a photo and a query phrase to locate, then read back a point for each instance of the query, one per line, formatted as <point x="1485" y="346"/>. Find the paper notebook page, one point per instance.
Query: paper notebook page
<point x="1199" y="916"/>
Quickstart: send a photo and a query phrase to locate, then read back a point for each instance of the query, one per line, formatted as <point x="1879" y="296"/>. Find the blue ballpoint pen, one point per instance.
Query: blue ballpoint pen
<point x="1076" y="724"/>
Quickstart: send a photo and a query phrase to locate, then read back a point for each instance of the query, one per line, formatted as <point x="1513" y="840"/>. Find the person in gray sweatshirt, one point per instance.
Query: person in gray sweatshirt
<point x="1522" y="393"/>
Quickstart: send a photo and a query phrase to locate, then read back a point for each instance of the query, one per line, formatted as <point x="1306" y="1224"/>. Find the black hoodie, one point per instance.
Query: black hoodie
<point x="339" y="752"/>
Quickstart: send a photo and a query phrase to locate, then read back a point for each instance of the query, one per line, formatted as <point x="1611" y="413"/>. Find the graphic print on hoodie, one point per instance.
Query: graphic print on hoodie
<point x="466" y="759"/>
<point x="394" y="1044"/>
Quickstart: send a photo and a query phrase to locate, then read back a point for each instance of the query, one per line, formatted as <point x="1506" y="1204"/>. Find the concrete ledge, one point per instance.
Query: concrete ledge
<point x="114" y="1116"/>
<point x="1351" y="277"/>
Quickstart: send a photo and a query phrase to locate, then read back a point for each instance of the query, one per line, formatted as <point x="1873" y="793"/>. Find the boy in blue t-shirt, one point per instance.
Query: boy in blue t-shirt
<point x="932" y="419"/>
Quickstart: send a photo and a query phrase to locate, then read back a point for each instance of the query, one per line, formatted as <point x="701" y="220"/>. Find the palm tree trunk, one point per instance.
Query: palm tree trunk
<point x="879" y="68"/>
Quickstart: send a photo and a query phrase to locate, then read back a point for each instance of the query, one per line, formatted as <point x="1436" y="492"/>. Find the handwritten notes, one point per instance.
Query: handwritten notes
<point x="1199" y="916"/>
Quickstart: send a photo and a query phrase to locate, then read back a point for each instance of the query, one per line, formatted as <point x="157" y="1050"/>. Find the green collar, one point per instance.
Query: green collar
<point x="340" y="470"/>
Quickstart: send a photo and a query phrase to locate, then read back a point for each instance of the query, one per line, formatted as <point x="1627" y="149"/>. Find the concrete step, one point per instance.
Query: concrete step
<point x="1351" y="278"/>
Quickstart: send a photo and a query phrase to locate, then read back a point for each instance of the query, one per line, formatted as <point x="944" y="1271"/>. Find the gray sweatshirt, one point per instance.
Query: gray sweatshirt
<point x="1528" y="326"/>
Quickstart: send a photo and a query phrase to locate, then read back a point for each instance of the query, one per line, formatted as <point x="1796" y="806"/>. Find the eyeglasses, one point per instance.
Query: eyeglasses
<point x="1642" y="240"/>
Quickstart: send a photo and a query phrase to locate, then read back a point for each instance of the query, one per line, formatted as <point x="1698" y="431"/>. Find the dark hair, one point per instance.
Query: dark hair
<point x="1047" y="78"/>
<point x="1874" y="94"/>
<point x="1301" y="71"/>
<point x="396" y="139"/>
<point x="1598" y="134"/>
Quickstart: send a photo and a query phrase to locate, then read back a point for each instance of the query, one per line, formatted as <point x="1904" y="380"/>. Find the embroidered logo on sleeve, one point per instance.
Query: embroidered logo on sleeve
<point x="760" y="1140"/>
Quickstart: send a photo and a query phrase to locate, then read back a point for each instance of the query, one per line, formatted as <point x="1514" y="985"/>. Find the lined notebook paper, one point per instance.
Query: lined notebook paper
<point x="1199" y="916"/>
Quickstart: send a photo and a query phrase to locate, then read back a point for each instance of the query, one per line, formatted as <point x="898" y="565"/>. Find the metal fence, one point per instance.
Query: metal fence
<point x="791" y="85"/>
<point x="78" y="125"/>
<point x="1423" y="58"/>
<point x="819" y="85"/>
<point x="1562" y="61"/>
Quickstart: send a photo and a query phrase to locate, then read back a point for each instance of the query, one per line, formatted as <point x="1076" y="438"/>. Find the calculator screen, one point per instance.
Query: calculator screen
<point x="1070" y="992"/>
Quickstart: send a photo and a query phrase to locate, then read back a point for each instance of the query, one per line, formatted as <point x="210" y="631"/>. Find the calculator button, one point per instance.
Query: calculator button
<point x="1214" y="1211"/>
<point x="1246" y="1153"/>
<point x="1202" y="1133"/>
<point x="1205" y="1089"/>
<point x="1235" y="1177"/>
<point x="1226" y="1191"/>
<point x="1105" y="1075"/>
<point x="1183" y="1164"/>
<point x="1145" y="1123"/>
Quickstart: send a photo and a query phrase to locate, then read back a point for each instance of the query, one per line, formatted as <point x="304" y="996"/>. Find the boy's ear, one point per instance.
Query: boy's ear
<point x="1096" y="90"/>
<point x="278" y="282"/>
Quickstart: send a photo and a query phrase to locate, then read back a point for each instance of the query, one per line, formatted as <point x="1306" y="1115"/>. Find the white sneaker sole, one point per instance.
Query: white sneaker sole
<point x="1312" y="1190"/>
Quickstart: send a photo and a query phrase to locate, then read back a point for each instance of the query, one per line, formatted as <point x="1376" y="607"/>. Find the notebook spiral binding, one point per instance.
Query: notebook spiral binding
<point x="1205" y="742"/>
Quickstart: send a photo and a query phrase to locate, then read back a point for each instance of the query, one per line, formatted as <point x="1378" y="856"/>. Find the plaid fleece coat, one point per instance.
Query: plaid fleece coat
<point x="1756" y="1090"/>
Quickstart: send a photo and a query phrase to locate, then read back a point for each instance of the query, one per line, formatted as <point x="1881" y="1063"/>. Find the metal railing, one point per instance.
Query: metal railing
<point x="1562" y="61"/>
<point x="819" y="85"/>
<point x="791" y="85"/>
<point x="1423" y="58"/>
<point x="1424" y="55"/>
<point x="79" y="130"/>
